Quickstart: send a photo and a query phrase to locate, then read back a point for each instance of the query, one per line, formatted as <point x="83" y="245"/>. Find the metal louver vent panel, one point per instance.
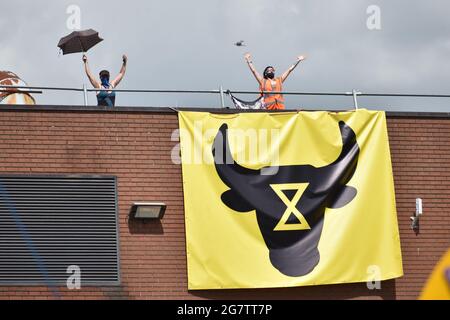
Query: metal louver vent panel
<point x="48" y="223"/>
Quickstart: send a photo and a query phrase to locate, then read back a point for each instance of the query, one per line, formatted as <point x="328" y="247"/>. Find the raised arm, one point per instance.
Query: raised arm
<point x="291" y="68"/>
<point x="92" y="79"/>
<point x="258" y="77"/>
<point x="119" y="77"/>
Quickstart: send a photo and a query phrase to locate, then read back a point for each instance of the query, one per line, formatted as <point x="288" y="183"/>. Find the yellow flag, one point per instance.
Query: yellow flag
<point x="438" y="285"/>
<point x="288" y="199"/>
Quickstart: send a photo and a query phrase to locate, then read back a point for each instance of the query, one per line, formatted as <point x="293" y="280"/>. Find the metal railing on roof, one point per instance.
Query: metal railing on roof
<point x="354" y="93"/>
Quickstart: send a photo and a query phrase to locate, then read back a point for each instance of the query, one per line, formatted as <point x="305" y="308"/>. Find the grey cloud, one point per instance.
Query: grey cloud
<point x="189" y="45"/>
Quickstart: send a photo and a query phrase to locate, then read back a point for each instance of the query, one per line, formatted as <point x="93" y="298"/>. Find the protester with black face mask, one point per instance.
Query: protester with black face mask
<point x="105" y="98"/>
<point x="268" y="83"/>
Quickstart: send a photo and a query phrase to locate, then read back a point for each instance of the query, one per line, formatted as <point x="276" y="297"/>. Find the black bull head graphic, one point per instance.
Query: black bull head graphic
<point x="290" y="203"/>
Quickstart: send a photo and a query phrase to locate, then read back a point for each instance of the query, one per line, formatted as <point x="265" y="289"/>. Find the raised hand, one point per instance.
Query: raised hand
<point x="301" y="58"/>
<point x="84" y="58"/>
<point x="247" y="57"/>
<point x="124" y="58"/>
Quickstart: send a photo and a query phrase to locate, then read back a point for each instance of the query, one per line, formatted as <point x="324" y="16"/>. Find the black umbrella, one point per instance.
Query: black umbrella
<point x="79" y="41"/>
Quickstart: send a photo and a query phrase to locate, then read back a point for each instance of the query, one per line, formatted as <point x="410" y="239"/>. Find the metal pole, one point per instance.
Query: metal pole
<point x="85" y="94"/>
<point x="222" y="101"/>
<point x="234" y="91"/>
<point x="355" y="100"/>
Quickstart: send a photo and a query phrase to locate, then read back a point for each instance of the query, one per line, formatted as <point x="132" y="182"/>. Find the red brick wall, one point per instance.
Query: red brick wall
<point x="135" y="146"/>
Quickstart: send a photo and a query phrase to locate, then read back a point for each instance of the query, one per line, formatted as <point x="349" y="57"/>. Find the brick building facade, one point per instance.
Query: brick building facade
<point x="134" y="144"/>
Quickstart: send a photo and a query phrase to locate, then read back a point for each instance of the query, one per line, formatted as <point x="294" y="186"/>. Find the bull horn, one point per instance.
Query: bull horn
<point x="223" y="158"/>
<point x="349" y="143"/>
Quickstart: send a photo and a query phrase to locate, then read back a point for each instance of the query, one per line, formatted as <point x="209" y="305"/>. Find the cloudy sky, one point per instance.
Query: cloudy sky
<point x="189" y="45"/>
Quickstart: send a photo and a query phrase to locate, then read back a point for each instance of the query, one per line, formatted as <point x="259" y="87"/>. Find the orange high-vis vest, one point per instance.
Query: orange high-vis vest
<point x="272" y="101"/>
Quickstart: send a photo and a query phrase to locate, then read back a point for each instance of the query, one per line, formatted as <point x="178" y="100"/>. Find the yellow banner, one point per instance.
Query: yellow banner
<point x="288" y="199"/>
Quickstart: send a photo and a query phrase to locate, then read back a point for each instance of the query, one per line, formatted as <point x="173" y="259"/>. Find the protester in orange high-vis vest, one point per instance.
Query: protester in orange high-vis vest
<point x="268" y="83"/>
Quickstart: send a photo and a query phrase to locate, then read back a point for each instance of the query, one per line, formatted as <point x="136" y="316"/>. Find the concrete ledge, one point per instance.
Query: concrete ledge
<point x="171" y="110"/>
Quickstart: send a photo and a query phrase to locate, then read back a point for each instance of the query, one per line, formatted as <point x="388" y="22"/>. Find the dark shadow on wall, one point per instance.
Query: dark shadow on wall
<point x="116" y="293"/>
<point x="145" y="227"/>
<point x="323" y="292"/>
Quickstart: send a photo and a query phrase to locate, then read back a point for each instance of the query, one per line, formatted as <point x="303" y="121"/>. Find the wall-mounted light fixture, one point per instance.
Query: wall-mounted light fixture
<point x="417" y="214"/>
<point x="148" y="210"/>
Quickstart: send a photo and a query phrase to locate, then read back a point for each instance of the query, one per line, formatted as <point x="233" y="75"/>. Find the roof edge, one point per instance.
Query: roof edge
<point x="171" y="110"/>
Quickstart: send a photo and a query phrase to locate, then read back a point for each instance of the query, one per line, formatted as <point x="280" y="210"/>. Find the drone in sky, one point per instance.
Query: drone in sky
<point x="240" y="44"/>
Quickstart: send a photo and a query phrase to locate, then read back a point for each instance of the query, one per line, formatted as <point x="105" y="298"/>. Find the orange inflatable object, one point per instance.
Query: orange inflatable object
<point x="13" y="96"/>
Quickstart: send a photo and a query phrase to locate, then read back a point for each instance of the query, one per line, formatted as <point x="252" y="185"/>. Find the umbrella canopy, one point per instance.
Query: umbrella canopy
<point x="79" y="41"/>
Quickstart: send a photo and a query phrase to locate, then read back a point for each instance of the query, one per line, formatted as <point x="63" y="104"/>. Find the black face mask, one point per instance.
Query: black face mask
<point x="270" y="75"/>
<point x="105" y="81"/>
